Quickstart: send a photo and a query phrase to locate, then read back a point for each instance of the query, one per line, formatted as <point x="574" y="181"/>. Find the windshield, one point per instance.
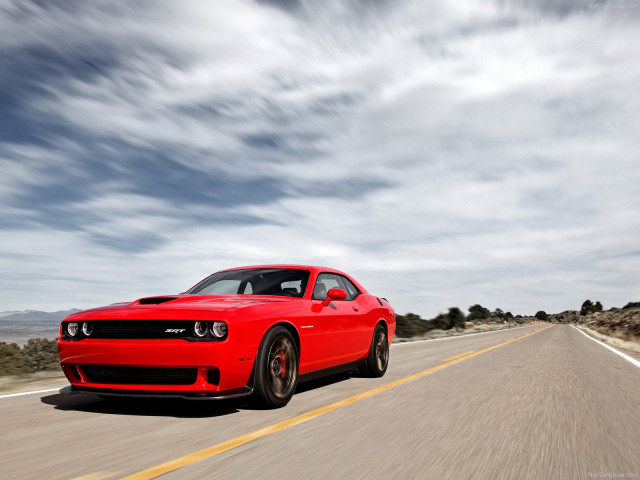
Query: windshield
<point x="288" y="282"/>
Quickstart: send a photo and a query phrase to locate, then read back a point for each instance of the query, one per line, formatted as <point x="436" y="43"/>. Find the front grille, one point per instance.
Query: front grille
<point x="139" y="375"/>
<point x="142" y="329"/>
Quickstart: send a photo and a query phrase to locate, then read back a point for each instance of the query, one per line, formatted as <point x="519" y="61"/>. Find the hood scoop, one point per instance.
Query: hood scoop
<point x="155" y="300"/>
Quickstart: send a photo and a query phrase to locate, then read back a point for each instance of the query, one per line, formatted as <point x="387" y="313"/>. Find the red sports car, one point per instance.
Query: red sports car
<point x="251" y="330"/>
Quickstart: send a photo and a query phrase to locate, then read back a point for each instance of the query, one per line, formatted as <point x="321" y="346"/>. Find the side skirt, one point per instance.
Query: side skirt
<point x="307" y="377"/>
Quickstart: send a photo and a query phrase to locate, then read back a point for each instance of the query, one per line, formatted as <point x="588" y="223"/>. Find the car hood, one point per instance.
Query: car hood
<point x="169" y="306"/>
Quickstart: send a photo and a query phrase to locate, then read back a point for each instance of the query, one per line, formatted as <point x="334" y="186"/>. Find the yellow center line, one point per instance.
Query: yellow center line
<point x="458" y="356"/>
<point x="155" y="472"/>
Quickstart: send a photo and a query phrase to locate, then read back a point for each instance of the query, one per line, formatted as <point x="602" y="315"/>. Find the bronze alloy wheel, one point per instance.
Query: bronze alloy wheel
<point x="282" y="367"/>
<point x="377" y="361"/>
<point x="382" y="350"/>
<point x="276" y="369"/>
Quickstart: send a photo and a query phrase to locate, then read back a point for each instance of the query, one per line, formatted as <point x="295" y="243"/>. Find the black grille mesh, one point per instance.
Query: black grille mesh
<point x="140" y="375"/>
<point x="142" y="329"/>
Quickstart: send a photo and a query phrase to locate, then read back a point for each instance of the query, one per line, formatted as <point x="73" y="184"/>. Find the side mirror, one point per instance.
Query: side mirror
<point x="334" y="294"/>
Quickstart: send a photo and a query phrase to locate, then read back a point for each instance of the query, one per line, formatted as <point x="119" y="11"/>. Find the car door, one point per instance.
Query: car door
<point x="336" y="325"/>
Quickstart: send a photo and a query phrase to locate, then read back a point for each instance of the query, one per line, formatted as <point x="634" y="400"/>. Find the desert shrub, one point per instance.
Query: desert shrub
<point x="631" y="305"/>
<point x="542" y="315"/>
<point x="456" y="318"/>
<point x="440" y="321"/>
<point x="11" y="362"/>
<point x="478" y="312"/>
<point x="41" y="354"/>
<point x="586" y="308"/>
<point x="411" y="325"/>
<point x="589" y="307"/>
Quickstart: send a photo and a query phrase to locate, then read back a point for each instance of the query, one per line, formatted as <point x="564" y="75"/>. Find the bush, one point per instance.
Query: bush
<point x="631" y="305"/>
<point x="542" y="315"/>
<point x="440" y="321"/>
<point x="456" y="318"/>
<point x="478" y="312"/>
<point x="11" y="362"/>
<point x="589" y="307"/>
<point x="41" y="354"/>
<point x="411" y="325"/>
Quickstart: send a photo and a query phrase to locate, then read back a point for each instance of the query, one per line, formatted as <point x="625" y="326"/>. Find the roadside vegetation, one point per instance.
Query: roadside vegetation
<point x="622" y="323"/>
<point x="37" y="355"/>
<point x="456" y="322"/>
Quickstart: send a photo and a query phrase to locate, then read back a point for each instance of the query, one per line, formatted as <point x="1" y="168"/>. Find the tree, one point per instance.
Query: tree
<point x="11" y="362"/>
<point x="456" y="318"/>
<point x="498" y="313"/>
<point x="440" y="322"/>
<point x="41" y="354"/>
<point x="478" y="312"/>
<point x="411" y="325"/>
<point x="587" y="307"/>
<point x="542" y="315"/>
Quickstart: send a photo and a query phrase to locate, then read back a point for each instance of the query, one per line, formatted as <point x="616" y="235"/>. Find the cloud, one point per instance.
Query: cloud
<point x="444" y="154"/>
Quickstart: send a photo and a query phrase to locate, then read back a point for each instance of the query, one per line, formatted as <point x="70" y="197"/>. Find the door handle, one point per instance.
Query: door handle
<point x="355" y="309"/>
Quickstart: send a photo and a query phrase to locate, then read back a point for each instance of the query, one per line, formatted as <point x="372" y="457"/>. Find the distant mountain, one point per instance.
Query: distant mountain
<point x="34" y="317"/>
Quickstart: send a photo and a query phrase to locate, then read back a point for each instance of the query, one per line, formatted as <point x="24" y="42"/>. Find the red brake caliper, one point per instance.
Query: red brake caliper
<point x="283" y="366"/>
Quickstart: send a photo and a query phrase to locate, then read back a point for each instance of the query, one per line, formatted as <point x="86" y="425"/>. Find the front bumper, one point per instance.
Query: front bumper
<point x="218" y="368"/>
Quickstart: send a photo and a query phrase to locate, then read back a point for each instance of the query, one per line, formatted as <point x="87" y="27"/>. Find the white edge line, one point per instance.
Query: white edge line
<point x="617" y="352"/>
<point x="31" y="392"/>
<point x="411" y="342"/>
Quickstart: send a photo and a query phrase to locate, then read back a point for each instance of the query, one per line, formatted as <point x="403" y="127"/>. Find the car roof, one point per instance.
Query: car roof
<point x="312" y="268"/>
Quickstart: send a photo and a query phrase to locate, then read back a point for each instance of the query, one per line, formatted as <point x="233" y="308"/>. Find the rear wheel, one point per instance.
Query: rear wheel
<point x="376" y="363"/>
<point x="276" y="374"/>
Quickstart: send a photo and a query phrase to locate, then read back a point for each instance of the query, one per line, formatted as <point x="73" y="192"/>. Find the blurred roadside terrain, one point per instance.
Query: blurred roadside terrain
<point x="619" y="327"/>
<point x="28" y="349"/>
<point x="622" y="323"/>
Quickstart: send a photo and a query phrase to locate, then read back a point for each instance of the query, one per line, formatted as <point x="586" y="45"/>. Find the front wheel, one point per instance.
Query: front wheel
<point x="376" y="363"/>
<point x="276" y="374"/>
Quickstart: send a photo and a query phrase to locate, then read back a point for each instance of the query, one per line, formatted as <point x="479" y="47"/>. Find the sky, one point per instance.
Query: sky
<point x="443" y="153"/>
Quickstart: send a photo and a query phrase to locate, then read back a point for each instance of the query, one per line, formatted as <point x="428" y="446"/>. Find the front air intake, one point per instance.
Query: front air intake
<point x="119" y="375"/>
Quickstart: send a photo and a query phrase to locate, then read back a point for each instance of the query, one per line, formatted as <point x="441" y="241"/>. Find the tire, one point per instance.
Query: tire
<point x="378" y="360"/>
<point x="276" y="370"/>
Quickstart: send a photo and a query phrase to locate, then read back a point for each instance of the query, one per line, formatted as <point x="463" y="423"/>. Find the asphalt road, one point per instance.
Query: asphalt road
<point x="549" y="405"/>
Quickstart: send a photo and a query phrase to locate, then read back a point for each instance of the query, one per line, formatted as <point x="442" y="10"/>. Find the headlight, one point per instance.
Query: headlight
<point x="200" y="329"/>
<point x="87" y="328"/>
<point x="219" y="329"/>
<point x="72" y="329"/>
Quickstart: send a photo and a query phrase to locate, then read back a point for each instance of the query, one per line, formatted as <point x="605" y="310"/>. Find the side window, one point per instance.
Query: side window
<point x="327" y="281"/>
<point x="352" y="291"/>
